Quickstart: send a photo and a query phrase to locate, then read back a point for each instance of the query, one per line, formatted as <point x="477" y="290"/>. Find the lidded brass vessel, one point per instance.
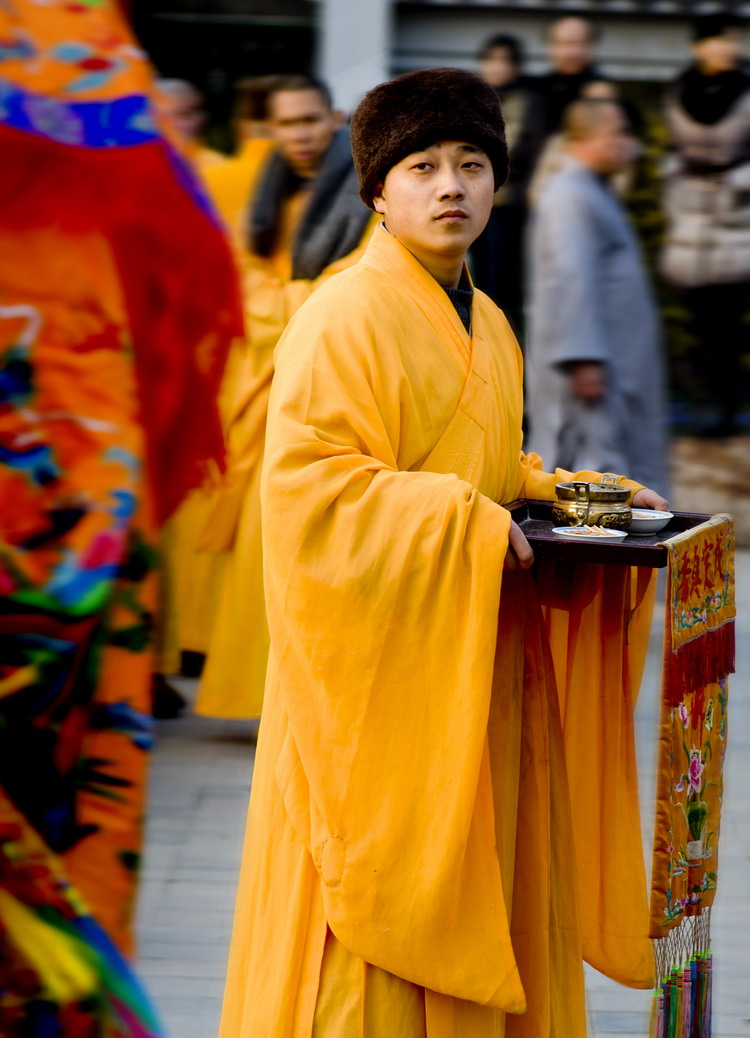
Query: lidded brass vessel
<point x="592" y="504"/>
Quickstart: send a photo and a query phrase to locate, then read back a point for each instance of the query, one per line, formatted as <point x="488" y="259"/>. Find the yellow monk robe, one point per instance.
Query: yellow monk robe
<point x="235" y="672"/>
<point x="190" y="595"/>
<point x="409" y="867"/>
<point x="209" y="158"/>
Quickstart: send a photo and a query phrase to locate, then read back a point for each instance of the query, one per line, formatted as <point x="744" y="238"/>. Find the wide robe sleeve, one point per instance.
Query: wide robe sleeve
<point x="538" y="485"/>
<point x="383" y="590"/>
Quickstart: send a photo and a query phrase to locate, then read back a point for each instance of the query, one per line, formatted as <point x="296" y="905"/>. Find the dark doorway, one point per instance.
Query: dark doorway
<point x="215" y="44"/>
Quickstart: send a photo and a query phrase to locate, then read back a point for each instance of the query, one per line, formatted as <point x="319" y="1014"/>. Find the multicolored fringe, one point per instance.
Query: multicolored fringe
<point x="682" y="1002"/>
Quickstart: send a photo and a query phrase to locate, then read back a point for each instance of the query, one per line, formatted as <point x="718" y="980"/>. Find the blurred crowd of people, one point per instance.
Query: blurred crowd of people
<point x="704" y="256"/>
<point x="559" y="256"/>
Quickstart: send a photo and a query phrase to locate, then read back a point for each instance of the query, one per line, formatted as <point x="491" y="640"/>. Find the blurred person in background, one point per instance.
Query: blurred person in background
<point x="496" y="256"/>
<point x="595" y="354"/>
<point x="189" y="590"/>
<point x="553" y="155"/>
<point x="250" y="117"/>
<point x="707" y="200"/>
<point x="183" y="106"/>
<point x="571" y="44"/>
<point x="117" y="305"/>
<point x="302" y="220"/>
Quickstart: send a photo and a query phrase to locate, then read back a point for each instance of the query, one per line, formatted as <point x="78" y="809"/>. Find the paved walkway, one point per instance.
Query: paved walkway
<point x="199" y="789"/>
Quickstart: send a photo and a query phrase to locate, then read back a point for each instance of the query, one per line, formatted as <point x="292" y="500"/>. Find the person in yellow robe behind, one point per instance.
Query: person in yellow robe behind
<point x="303" y="222"/>
<point x="409" y="868"/>
<point x="183" y="106"/>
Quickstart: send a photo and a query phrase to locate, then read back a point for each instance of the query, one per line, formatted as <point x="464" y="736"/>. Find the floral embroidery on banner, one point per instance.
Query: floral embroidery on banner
<point x="699" y="646"/>
<point x="695" y="804"/>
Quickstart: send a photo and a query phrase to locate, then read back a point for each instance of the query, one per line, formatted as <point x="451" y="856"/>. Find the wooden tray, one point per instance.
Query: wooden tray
<point x="535" y="519"/>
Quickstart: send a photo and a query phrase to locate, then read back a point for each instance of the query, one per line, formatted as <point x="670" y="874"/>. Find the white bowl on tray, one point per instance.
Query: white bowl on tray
<point x="645" y="521"/>
<point x="583" y="533"/>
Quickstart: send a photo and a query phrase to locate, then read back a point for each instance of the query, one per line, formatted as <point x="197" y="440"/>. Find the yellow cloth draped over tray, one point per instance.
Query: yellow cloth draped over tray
<point x="410" y="853"/>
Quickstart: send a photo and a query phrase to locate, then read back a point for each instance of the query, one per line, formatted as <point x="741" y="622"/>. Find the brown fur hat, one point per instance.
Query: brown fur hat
<point x="419" y="109"/>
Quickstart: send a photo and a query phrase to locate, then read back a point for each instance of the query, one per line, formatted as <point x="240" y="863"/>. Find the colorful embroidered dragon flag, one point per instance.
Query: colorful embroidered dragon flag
<point x="118" y="303"/>
<point x="698" y="657"/>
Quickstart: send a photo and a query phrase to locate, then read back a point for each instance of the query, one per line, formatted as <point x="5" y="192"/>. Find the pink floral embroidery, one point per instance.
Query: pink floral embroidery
<point x="695" y="770"/>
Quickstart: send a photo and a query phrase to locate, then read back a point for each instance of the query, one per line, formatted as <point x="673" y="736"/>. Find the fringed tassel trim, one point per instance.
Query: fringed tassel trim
<point x="700" y="662"/>
<point x="681" y="1007"/>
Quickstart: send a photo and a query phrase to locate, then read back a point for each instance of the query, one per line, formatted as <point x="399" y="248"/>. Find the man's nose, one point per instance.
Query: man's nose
<point x="450" y="184"/>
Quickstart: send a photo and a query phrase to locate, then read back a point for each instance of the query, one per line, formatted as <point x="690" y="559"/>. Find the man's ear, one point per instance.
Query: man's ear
<point x="378" y="202"/>
<point x="339" y="118"/>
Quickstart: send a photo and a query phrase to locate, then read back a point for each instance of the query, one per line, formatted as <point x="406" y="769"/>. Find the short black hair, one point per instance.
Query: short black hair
<point x="293" y="83"/>
<point x="503" y="41"/>
<point x="251" y="96"/>
<point x="709" y="25"/>
<point x="594" y="30"/>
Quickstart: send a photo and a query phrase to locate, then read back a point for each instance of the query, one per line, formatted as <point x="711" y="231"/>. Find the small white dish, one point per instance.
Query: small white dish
<point x="578" y="533"/>
<point x="646" y="520"/>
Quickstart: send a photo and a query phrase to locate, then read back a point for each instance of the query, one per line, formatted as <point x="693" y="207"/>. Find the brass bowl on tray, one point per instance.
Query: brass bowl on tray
<point x="592" y="504"/>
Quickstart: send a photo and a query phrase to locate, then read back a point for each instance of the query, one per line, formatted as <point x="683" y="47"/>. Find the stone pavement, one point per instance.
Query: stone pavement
<point x="717" y="473"/>
<point x="199" y="788"/>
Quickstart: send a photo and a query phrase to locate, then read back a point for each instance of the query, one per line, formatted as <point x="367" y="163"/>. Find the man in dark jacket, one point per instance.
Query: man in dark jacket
<point x="706" y="254"/>
<point x="571" y="42"/>
<point x="496" y="256"/>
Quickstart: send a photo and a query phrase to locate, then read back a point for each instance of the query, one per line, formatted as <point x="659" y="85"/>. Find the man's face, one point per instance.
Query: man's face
<point x="570" y="46"/>
<point x="437" y="201"/>
<point x="185" y="112"/>
<point x="497" y="67"/>
<point x="304" y="126"/>
<point x="612" y="146"/>
<point x="717" y="54"/>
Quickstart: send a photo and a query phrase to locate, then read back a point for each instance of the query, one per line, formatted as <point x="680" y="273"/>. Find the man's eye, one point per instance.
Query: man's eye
<point x="473" y="164"/>
<point x="421" y="165"/>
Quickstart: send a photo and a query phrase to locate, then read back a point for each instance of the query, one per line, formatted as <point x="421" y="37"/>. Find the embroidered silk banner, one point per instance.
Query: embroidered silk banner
<point x="698" y="656"/>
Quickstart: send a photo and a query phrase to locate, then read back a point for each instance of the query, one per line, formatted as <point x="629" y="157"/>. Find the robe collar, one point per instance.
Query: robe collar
<point x="386" y="253"/>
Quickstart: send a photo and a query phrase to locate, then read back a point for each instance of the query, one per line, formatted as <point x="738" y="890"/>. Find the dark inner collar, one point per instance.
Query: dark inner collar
<point x="462" y="298"/>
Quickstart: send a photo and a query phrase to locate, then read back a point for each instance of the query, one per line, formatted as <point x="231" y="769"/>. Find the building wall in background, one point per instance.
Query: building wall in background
<point x="354" y="44"/>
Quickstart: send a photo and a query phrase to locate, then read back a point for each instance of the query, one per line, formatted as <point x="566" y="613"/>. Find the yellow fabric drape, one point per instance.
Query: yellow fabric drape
<point x="599" y="661"/>
<point x="410" y="791"/>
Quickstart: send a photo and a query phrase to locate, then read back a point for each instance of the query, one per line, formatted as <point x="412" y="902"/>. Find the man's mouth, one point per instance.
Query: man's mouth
<point x="453" y="216"/>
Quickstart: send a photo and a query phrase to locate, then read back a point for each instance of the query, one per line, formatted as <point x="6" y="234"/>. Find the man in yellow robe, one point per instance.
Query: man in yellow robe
<point x="303" y="222"/>
<point x="182" y="105"/>
<point x="410" y="862"/>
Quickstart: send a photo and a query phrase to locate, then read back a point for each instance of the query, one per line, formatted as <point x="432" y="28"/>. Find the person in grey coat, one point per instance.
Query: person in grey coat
<point x="595" y="356"/>
<point x="706" y="254"/>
